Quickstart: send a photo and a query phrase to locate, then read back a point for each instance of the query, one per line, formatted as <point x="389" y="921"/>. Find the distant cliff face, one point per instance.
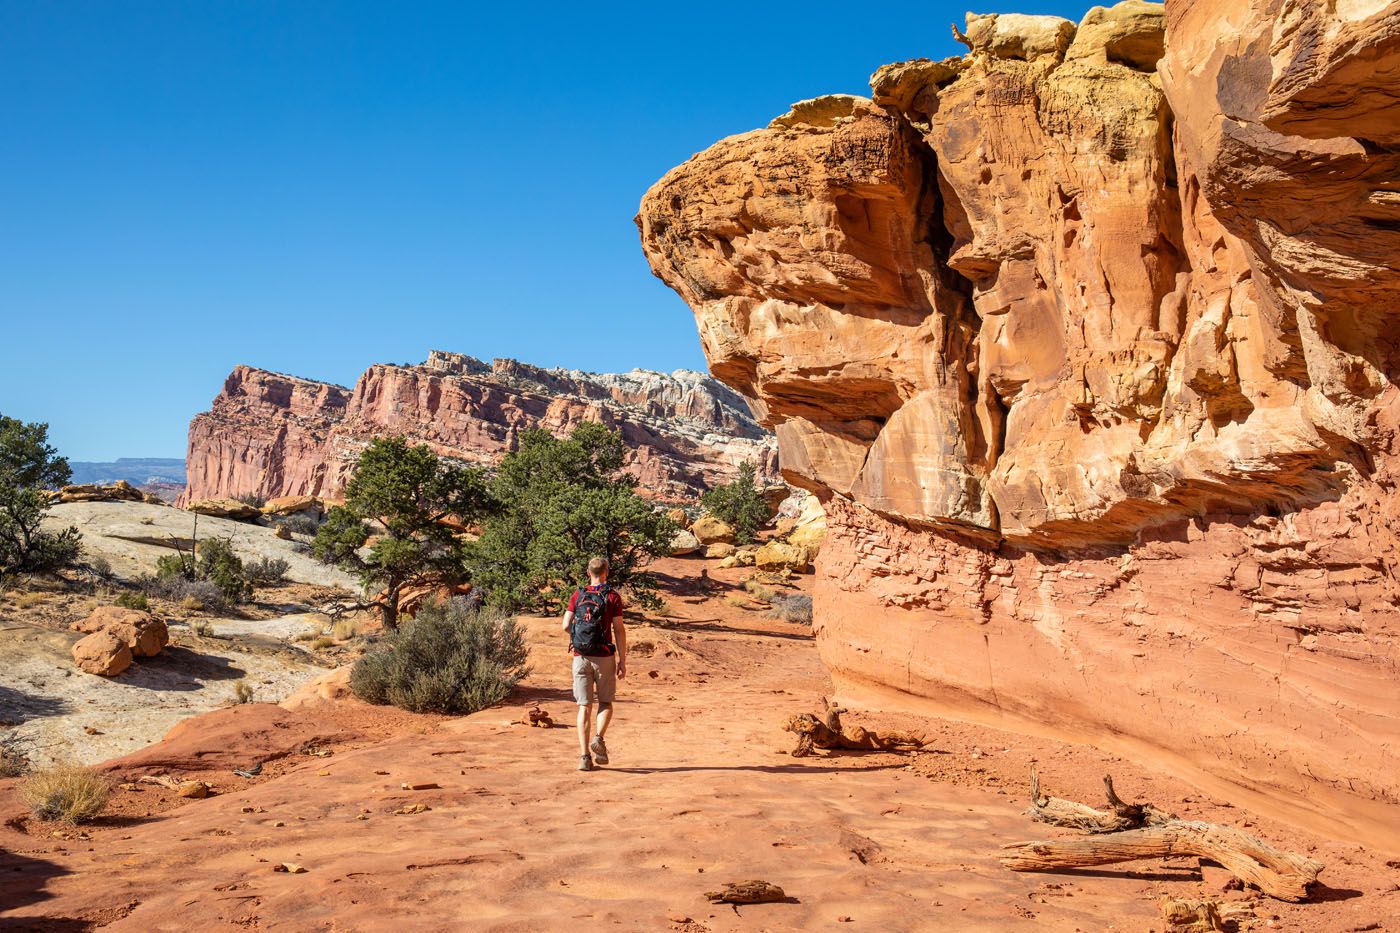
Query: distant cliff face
<point x="274" y="435"/>
<point x="1087" y="341"/>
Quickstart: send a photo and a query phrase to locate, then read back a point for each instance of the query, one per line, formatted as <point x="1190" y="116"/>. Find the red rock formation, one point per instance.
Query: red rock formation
<point x="274" y="435"/>
<point x="1083" y="339"/>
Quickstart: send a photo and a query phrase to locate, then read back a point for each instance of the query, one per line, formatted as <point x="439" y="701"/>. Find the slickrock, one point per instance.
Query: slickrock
<point x="1085" y="342"/>
<point x="278" y="436"/>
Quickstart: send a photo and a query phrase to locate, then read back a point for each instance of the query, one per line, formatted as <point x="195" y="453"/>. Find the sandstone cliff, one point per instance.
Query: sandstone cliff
<point x="274" y="435"/>
<point x="1085" y="339"/>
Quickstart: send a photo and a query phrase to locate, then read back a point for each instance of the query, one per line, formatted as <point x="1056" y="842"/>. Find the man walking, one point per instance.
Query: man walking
<point x="598" y="642"/>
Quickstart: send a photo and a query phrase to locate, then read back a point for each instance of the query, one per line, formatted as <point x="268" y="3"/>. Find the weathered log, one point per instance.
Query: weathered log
<point x="813" y="733"/>
<point x="1127" y="832"/>
<point x="747" y="892"/>
<point x="1074" y="815"/>
<point x="1283" y="875"/>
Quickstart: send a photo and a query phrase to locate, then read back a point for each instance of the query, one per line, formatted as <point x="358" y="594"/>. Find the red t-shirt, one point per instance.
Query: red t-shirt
<point x="610" y="615"/>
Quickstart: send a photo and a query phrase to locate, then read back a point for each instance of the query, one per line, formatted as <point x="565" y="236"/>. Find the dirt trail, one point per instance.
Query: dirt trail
<point x="700" y="791"/>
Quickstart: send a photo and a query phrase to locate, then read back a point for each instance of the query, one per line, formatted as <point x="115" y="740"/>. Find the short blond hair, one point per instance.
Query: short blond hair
<point x="598" y="566"/>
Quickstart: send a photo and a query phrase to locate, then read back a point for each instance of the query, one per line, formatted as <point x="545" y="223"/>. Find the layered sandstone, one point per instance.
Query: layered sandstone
<point x="1084" y="339"/>
<point x="273" y="435"/>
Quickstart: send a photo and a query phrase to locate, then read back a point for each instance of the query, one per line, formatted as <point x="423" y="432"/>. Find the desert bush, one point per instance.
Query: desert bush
<point x="449" y="658"/>
<point x="192" y="595"/>
<point x="266" y="571"/>
<point x="201" y="627"/>
<point x="555" y="503"/>
<point x="13" y="760"/>
<point x="214" y="562"/>
<point x="300" y="524"/>
<point x="242" y="693"/>
<point x="760" y="591"/>
<point x="29" y="466"/>
<point x="100" y="568"/>
<point x="794" y="608"/>
<point x="322" y="642"/>
<point x="68" y="793"/>
<point x="739" y="503"/>
<point x="133" y="600"/>
<point x="252" y="499"/>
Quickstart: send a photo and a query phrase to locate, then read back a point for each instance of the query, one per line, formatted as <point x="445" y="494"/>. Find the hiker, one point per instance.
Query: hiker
<point x="598" y="643"/>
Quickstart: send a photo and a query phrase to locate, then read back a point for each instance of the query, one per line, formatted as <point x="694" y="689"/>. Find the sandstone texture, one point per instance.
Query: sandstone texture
<point x="279" y="436"/>
<point x="103" y="653"/>
<point x="1084" y="339"/>
<point x="140" y="631"/>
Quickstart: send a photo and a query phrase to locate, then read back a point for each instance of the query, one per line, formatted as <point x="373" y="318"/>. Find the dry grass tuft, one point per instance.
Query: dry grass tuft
<point x="759" y="591"/>
<point x="322" y="643"/>
<point x="69" y="793"/>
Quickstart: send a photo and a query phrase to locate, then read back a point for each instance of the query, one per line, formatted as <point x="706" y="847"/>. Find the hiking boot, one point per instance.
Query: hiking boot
<point x="585" y="763"/>
<point x="600" y="750"/>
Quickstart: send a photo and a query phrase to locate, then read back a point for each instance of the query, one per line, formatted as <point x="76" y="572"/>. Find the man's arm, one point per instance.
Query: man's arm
<point x="620" y="639"/>
<point x="568" y="620"/>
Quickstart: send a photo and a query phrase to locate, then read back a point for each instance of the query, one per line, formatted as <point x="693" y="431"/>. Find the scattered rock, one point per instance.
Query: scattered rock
<point x="678" y="517"/>
<point x="684" y="543"/>
<point x="413" y="808"/>
<point x="293" y="505"/>
<point x="142" y="632"/>
<point x="709" y="530"/>
<point x="776" y="556"/>
<point x="426" y="785"/>
<point x="196" y="790"/>
<point x="120" y="491"/>
<point x="225" y="508"/>
<point x="102" y="653"/>
<point x="291" y="868"/>
<point x="719" y="550"/>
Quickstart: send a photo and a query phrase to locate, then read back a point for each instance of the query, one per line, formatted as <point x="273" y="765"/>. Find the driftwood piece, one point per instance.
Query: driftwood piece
<point x="813" y="733"/>
<point x="1191" y="916"/>
<point x="747" y="892"/>
<point x="1286" y="876"/>
<point x="1074" y="815"/>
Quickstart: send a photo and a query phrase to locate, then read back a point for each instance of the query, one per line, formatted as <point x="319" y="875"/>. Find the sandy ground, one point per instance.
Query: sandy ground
<point x="700" y="791"/>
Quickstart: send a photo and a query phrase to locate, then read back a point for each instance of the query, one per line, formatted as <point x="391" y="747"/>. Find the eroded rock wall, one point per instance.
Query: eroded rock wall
<point x="273" y="435"/>
<point x="1086" y="340"/>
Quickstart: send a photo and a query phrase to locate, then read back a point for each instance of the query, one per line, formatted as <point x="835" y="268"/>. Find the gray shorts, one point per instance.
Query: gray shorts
<point x="595" y="679"/>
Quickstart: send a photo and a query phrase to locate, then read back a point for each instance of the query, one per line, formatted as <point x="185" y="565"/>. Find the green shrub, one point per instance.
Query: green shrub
<point x="450" y="658"/>
<point x="133" y="601"/>
<point x="299" y="524"/>
<point x="216" y="564"/>
<point x="739" y="503"/>
<point x="252" y="499"/>
<point x="556" y="503"/>
<point x="69" y="793"/>
<point x="266" y="571"/>
<point x="29" y="466"/>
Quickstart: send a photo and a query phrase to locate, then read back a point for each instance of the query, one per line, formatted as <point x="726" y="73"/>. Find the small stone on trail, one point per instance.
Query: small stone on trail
<point x="413" y="808"/>
<point x="291" y="868"/>
<point x="91" y="731"/>
<point x="423" y="786"/>
<point x="323" y="774"/>
<point x="196" y="790"/>
<point x="276" y="823"/>
<point x="843" y="919"/>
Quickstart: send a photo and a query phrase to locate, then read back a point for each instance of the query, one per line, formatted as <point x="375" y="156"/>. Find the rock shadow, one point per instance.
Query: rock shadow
<point x="178" y="668"/>
<point x="17" y="707"/>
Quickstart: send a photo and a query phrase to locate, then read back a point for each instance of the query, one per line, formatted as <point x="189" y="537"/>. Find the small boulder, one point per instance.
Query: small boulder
<point x="225" y="508"/>
<point x="684" y="543"/>
<point x="744" y="557"/>
<point x="120" y="491"/>
<point x="777" y="556"/>
<point x="679" y="517"/>
<point x="710" y="530"/>
<point x="140" y="631"/>
<point x="731" y="561"/>
<point x="102" y="653"/>
<point x="283" y="532"/>
<point x="719" y="550"/>
<point x="293" y="505"/>
<point x="195" y="790"/>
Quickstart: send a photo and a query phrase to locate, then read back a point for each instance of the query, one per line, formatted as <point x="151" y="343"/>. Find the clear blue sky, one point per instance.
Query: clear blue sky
<point x="312" y="187"/>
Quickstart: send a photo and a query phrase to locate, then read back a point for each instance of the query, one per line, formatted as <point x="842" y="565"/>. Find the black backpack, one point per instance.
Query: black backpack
<point x="590" y="633"/>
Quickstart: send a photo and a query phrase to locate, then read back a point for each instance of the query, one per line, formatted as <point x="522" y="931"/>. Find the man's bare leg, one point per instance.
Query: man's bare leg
<point x="585" y="726"/>
<point x="604" y="717"/>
